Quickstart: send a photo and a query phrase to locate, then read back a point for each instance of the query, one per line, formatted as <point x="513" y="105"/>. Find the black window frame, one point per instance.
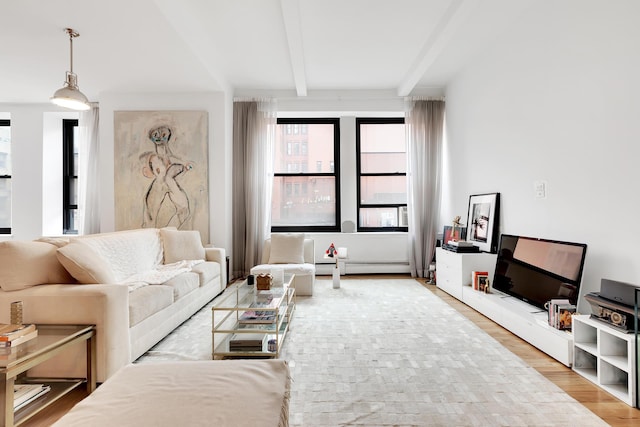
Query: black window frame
<point x="359" y="175"/>
<point x="6" y="230"/>
<point x="68" y="167"/>
<point x="300" y="125"/>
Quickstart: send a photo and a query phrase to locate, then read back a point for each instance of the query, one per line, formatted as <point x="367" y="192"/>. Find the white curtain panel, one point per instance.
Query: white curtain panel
<point x="254" y="132"/>
<point x="425" y="133"/>
<point x="88" y="173"/>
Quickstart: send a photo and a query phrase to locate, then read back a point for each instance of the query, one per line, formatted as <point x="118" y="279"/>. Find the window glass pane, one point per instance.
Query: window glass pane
<point x="378" y="217"/>
<point x="382" y="148"/>
<point x="309" y="150"/>
<point x="303" y="200"/>
<point x="5" y="202"/>
<point x="5" y="150"/>
<point x="75" y="150"/>
<point x="73" y="191"/>
<point x="74" y="221"/>
<point x="380" y="190"/>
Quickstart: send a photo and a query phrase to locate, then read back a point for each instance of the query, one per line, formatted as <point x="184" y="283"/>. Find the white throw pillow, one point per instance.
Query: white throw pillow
<point x="287" y="248"/>
<point x="85" y="264"/>
<point x="181" y="245"/>
<point x="25" y="264"/>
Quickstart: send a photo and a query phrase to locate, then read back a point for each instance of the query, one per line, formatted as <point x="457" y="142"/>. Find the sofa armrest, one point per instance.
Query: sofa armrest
<point x="106" y="306"/>
<point x="218" y="255"/>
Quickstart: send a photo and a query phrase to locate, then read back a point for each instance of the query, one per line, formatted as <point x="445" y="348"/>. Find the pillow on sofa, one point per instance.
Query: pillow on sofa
<point x="85" y="264"/>
<point x="27" y="264"/>
<point x="287" y="248"/>
<point x="179" y="245"/>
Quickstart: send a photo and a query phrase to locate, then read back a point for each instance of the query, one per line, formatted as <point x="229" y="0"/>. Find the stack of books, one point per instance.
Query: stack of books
<point x="13" y="335"/>
<point x="560" y="312"/>
<point x="24" y="394"/>
<point x="460" y="246"/>
<point x="247" y="342"/>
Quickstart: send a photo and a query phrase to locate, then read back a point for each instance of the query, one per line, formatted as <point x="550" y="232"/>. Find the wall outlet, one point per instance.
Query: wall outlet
<point x="540" y="189"/>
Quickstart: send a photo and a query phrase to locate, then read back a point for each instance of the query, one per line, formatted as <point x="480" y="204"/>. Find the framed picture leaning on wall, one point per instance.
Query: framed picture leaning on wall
<point x="482" y="221"/>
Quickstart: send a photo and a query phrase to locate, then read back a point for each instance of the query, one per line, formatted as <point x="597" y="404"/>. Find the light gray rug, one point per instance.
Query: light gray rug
<point x="391" y="353"/>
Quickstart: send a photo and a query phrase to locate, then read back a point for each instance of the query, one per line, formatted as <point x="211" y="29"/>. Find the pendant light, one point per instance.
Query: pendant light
<point x="69" y="96"/>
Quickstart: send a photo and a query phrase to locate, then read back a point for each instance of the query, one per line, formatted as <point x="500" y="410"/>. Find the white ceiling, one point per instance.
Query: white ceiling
<point x="296" y="47"/>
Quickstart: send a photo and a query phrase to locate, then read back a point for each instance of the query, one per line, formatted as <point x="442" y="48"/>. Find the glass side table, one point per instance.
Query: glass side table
<point x="51" y="340"/>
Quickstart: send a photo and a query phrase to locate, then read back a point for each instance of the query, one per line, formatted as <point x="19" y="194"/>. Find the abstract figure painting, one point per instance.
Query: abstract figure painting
<point x="161" y="170"/>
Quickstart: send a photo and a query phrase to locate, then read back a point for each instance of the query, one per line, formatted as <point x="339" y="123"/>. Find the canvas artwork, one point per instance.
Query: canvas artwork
<point x="161" y="170"/>
<point x="482" y="221"/>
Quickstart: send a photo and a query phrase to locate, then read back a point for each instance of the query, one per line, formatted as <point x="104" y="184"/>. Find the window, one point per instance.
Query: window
<point x="5" y="176"/>
<point x="382" y="174"/>
<point x="70" y="176"/>
<point x="303" y="200"/>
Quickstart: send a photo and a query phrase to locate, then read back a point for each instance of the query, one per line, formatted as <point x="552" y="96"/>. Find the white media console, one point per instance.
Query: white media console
<point x="453" y="275"/>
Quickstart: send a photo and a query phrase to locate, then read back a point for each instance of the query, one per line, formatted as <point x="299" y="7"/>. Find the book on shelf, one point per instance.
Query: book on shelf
<point x="257" y="316"/>
<point x="9" y="332"/>
<point x="460" y="243"/>
<point x="461" y="249"/>
<point x="247" y="342"/>
<point x="23" y="394"/>
<point x="557" y="318"/>
<point x="19" y="340"/>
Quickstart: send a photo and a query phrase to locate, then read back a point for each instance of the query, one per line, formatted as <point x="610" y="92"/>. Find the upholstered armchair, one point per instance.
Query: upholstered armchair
<point x="293" y="253"/>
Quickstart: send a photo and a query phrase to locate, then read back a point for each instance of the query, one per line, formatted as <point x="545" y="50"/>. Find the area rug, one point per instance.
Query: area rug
<point x="391" y="353"/>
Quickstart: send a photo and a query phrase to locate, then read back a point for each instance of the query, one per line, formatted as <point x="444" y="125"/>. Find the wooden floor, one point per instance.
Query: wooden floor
<point x="613" y="411"/>
<point x="601" y="403"/>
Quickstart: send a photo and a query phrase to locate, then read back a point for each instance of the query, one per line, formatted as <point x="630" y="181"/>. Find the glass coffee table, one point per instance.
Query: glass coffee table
<point x="15" y="361"/>
<point x="251" y="323"/>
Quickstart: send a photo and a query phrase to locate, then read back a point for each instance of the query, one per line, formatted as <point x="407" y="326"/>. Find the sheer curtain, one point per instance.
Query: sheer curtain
<point x="88" y="173"/>
<point x="254" y="132"/>
<point x="425" y="129"/>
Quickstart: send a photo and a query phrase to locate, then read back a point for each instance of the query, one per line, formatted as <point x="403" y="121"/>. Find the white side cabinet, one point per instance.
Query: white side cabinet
<point x="453" y="275"/>
<point x="453" y="270"/>
<point x="606" y="357"/>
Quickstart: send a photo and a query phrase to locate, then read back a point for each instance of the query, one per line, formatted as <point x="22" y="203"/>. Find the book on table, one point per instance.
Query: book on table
<point x="19" y="340"/>
<point x="247" y="342"/>
<point x="258" y="316"/>
<point x="24" y="394"/>
<point x="15" y="334"/>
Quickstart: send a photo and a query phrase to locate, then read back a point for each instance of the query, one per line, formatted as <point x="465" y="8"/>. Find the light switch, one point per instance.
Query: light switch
<point x="540" y="189"/>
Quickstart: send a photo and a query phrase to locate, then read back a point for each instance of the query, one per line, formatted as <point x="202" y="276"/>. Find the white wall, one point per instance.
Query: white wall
<point x="557" y="100"/>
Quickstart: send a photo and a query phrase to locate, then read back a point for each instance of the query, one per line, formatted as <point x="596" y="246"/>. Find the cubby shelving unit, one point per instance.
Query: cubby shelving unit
<point x="605" y="356"/>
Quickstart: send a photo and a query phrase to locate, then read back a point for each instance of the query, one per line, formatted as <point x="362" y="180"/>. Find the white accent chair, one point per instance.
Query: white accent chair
<point x="302" y="265"/>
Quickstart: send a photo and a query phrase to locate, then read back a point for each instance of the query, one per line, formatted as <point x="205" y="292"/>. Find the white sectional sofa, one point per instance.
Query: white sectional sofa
<point x="136" y="286"/>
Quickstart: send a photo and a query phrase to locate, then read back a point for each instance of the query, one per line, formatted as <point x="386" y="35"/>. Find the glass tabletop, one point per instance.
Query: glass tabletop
<point x="49" y="337"/>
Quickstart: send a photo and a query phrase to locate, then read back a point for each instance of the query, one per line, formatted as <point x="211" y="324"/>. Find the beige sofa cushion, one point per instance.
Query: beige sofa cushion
<point x="85" y="264"/>
<point x="31" y="263"/>
<point x="287" y="248"/>
<point x="148" y="300"/>
<point x="182" y="284"/>
<point x="181" y="245"/>
<point x="207" y="271"/>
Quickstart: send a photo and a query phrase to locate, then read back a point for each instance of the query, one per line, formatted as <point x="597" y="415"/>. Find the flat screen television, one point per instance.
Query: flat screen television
<point x="538" y="270"/>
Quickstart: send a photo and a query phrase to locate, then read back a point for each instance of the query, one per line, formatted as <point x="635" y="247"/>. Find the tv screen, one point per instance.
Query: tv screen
<point x="538" y="270"/>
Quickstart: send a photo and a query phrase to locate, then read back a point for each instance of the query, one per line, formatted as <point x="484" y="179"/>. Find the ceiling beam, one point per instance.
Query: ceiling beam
<point x="292" y="26"/>
<point x="455" y="15"/>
